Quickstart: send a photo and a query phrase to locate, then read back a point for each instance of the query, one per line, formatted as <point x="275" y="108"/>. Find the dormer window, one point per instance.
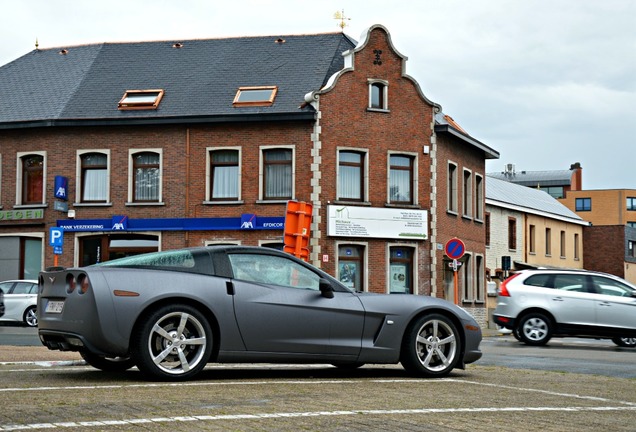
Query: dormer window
<point x="255" y="96"/>
<point x="140" y="100"/>
<point x="378" y="95"/>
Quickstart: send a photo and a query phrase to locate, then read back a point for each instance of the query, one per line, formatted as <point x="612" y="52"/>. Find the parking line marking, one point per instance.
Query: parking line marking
<point x="265" y="416"/>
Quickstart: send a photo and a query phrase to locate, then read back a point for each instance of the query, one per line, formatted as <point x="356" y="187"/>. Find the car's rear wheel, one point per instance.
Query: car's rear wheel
<point x="174" y="342"/>
<point x="627" y="342"/>
<point x="431" y="346"/>
<point x="535" y="329"/>
<point x="107" y="364"/>
<point x="31" y="317"/>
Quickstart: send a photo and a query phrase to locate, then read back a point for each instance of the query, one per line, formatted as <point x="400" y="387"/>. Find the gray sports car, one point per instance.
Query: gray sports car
<point x="170" y="313"/>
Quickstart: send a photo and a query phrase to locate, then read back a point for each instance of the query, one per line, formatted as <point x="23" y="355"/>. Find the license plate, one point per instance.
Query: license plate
<point x="54" y="307"/>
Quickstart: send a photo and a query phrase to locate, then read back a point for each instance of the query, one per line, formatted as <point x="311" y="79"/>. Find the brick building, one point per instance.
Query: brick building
<point x="135" y="147"/>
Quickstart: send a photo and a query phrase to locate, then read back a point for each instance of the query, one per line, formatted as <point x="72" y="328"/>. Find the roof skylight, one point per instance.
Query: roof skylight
<point x="140" y="99"/>
<point x="255" y="96"/>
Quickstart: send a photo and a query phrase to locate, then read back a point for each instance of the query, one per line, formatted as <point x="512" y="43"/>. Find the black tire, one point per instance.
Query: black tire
<point x="107" y="364"/>
<point x="535" y="329"/>
<point x="431" y="347"/>
<point x="626" y="342"/>
<point x="30" y="317"/>
<point x="515" y="333"/>
<point x="172" y="343"/>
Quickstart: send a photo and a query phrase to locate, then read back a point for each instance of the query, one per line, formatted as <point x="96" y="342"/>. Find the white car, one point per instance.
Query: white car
<point x="20" y="301"/>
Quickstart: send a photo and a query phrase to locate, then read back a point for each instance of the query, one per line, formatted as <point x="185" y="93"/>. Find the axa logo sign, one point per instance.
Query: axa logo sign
<point x="248" y="221"/>
<point x="61" y="187"/>
<point x="120" y="223"/>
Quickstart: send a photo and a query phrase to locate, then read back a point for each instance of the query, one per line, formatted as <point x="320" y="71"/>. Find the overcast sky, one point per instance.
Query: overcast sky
<point x="546" y="83"/>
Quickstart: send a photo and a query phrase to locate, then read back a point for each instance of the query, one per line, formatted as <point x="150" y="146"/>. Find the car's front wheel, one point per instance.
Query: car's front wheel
<point x="174" y="342"/>
<point x="627" y="342"/>
<point x="107" y="364"/>
<point x="31" y="317"/>
<point x="431" y="346"/>
<point x="535" y="329"/>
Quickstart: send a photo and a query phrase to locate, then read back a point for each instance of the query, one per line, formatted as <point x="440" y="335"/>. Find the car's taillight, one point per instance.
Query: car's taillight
<point x="503" y="290"/>
<point x="82" y="281"/>
<point x="71" y="283"/>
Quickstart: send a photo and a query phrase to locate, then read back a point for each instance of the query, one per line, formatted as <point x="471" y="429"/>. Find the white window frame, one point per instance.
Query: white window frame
<point x="208" y="175"/>
<point x="414" y="174"/>
<point x="131" y="153"/>
<point x="467" y="193"/>
<point x="18" y="183"/>
<point x="365" y="174"/>
<point x="261" y="171"/>
<point x="385" y="94"/>
<point x="468" y="277"/>
<point x="479" y="197"/>
<point x="453" y="191"/>
<point x="79" y="180"/>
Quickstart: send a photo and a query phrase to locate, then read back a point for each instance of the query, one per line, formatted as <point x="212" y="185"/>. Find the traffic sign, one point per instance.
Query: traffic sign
<point x="56" y="237"/>
<point x="455" y="248"/>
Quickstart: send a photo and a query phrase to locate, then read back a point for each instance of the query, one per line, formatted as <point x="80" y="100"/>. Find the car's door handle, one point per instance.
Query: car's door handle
<point x="557" y="299"/>
<point x="604" y="304"/>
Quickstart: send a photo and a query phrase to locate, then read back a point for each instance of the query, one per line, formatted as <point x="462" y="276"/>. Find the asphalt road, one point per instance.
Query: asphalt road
<point x="513" y="387"/>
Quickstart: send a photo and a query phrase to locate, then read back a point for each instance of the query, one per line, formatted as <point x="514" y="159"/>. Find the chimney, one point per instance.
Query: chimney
<point x="576" y="182"/>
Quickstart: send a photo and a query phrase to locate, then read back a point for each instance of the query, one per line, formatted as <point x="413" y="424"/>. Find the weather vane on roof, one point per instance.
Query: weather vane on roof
<point x="341" y="16"/>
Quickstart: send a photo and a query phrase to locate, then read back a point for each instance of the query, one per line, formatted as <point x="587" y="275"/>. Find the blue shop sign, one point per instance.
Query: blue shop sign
<point x="124" y="224"/>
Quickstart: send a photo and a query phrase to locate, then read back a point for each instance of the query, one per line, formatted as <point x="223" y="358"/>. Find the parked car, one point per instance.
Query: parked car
<point x="171" y="312"/>
<point x="540" y="304"/>
<point x="20" y="301"/>
<point x="1" y="302"/>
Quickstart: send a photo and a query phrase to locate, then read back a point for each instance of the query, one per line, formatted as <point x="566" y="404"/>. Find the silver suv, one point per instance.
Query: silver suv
<point x="539" y="304"/>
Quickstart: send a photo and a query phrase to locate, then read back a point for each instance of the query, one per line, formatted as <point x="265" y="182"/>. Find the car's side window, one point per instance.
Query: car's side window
<point x="570" y="282"/>
<point x="611" y="287"/>
<point x="22" y="288"/>
<point x="540" y="280"/>
<point x="273" y="270"/>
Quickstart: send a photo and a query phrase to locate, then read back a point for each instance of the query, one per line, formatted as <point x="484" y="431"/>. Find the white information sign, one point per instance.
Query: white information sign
<point x="373" y="222"/>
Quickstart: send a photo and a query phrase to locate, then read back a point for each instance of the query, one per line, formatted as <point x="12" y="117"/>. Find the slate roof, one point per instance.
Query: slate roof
<point x="509" y="195"/>
<point x="536" y="178"/>
<point x="84" y="84"/>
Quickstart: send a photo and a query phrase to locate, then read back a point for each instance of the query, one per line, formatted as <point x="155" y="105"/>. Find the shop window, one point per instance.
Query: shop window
<point x="401" y="170"/>
<point x="101" y="248"/>
<point x="351" y="266"/>
<point x="224" y="175"/>
<point x="401" y="270"/>
<point x="351" y="175"/>
<point x="278" y="174"/>
<point x="93" y="177"/>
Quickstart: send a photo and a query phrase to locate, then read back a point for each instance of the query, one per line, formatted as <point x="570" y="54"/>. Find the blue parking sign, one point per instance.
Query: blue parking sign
<point x="56" y="237"/>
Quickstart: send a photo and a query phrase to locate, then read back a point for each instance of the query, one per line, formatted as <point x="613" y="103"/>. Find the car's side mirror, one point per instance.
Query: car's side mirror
<point x="326" y="290"/>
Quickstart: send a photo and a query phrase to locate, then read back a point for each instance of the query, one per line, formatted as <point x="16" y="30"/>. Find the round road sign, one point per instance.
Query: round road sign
<point x="455" y="248"/>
